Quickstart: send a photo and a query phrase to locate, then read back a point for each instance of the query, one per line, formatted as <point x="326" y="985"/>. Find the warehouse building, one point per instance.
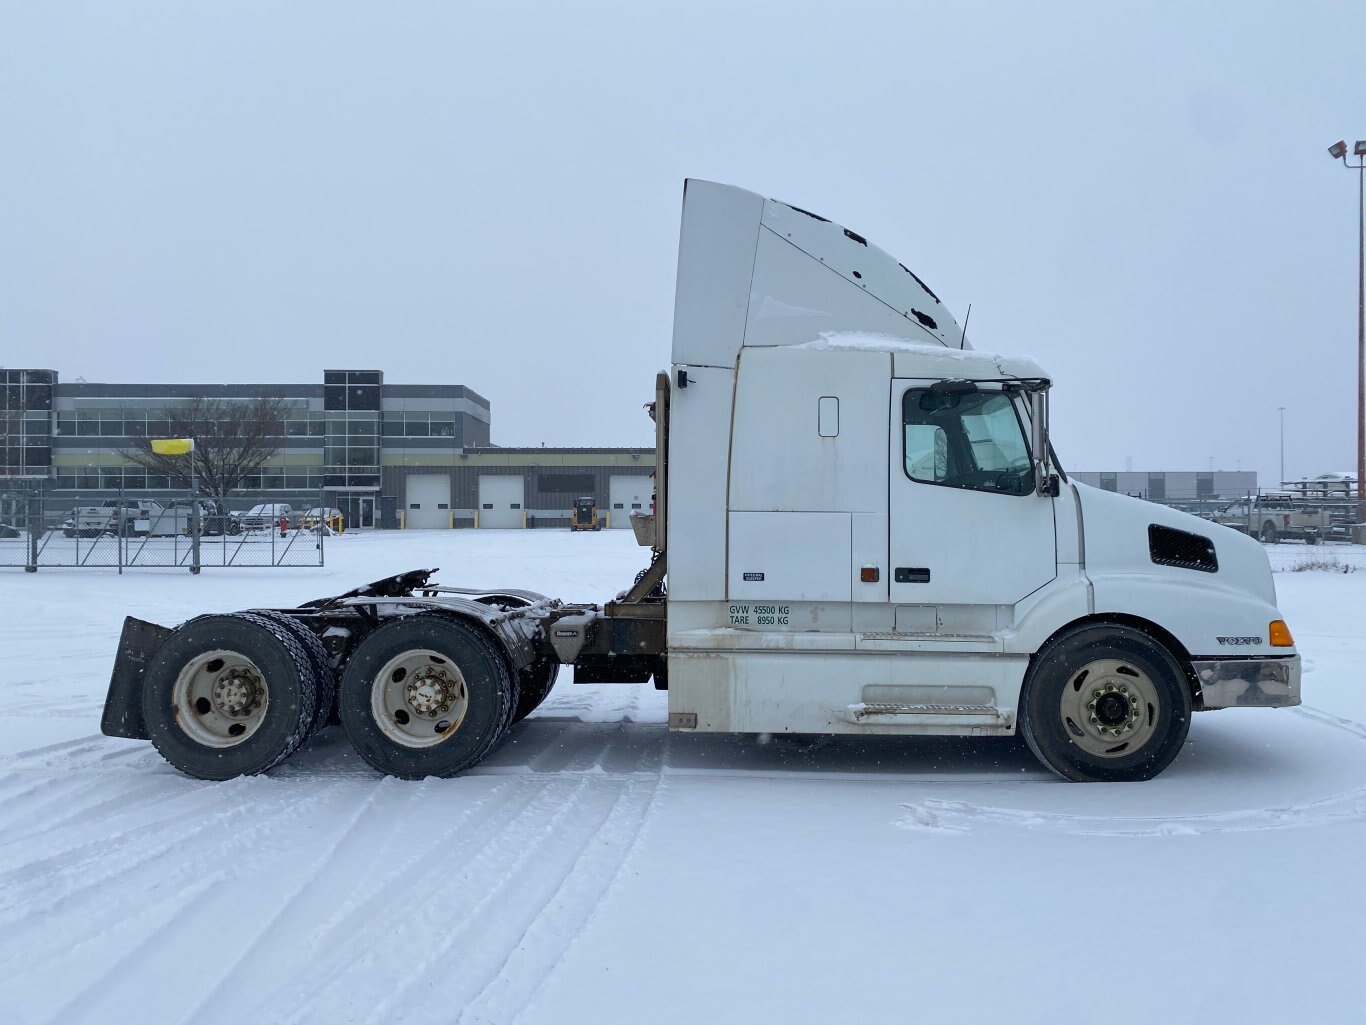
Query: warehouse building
<point x="384" y="454"/>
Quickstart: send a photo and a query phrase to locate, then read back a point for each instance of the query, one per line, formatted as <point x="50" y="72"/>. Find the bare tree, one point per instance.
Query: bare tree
<point x="232" y="440"/>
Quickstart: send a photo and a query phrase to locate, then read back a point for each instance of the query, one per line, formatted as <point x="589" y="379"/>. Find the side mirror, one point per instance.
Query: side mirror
<point x="1038" y="410"/>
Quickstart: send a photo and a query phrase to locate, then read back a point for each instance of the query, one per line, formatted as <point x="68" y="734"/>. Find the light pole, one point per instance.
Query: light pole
<point x="1282" y="409"/>
<point x="1338" y="151"/>
<point x="185" y="447"/>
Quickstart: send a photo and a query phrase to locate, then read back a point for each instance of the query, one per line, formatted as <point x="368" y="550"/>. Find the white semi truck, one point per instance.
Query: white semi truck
<point x="860" y="528"/>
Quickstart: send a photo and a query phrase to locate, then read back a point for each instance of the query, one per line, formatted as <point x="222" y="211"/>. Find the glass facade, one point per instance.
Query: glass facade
<point x="334" y="435"/>
<point x="352" y="401"/>
<point x="26" y="422"/>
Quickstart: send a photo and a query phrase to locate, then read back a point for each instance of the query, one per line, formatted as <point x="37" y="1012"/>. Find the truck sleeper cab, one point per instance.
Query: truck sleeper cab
<point x="859" y="527"/>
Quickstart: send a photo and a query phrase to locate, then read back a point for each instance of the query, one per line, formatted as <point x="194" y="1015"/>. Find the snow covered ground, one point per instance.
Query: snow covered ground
<point x="598" y="869"/>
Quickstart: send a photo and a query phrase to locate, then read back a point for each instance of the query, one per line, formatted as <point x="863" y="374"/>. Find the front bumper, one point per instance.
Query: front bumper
<point x="1249" y="682"/>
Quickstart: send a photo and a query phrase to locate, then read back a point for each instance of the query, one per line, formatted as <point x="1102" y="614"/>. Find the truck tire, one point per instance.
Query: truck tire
<point x="537" y="681"/>
<point x="1269" y="534"/>
<point x="426" y="695"/>
<point x="1105" y="703"/>
<point x="229" y="695"/>
<point x="320" y="660"/>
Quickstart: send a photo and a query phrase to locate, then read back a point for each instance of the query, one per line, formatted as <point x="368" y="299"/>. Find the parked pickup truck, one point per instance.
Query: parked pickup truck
<point x="212" y="521"/>
<point x="265" y="516"/>
<point x="127" y="518"/>
<point x="1276" y="517"/>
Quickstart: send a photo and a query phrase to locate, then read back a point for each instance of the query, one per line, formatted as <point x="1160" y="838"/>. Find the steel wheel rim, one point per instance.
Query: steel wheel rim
<point x="1109" y="708"/>
<point x="220" y="698"/>
<point x="419" y="698"/>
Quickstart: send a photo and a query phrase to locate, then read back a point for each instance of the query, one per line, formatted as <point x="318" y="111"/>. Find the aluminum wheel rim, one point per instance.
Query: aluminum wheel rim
<point x="220" y="698"/>
<point x="419" y="698"/>
<point x="1109" y="708"/>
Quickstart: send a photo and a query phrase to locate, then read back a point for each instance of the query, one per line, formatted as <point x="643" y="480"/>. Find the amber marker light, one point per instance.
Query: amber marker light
<point x="1280" y="635"/>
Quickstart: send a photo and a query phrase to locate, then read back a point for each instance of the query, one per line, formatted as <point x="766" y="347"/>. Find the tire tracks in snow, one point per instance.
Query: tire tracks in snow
<point x="374" y="914"/>
<point x="127" y="793"/>
<point x="1337" y="722"/>
<point x="46" y="852"/>
<point x="489" y="930"/>
<point x="321" y="946"/>
<point x="253" y="957"/>
<point x="939" y="816"/>
<point x="131" y="984"/>
<point x="109" y="884"/>
<point x="959" y="817"/>
<point x="89" y="740"/>
<point x="567" y="912"/>
<point x="426" y="929"/>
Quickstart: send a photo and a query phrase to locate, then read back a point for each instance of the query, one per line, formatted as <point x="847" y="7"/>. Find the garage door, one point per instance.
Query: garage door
<point x="500" y="501"/>
<point x="429" y="500"/>
<point x="625" y="494"/>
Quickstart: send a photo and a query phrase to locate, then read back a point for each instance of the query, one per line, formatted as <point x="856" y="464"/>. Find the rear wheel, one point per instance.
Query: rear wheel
<point x="426" y="695"/>
<point x="229" y="696"/>
<point x="318" y="658"/>
<point x="1105" y="704"/>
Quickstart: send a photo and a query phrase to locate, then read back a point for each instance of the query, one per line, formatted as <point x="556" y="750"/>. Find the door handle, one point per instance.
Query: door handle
<point x="911" y="575"/>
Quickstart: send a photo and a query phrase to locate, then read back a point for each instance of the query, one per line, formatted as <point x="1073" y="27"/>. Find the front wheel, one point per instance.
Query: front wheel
<point x="1269" y="535"/>
<point x="1105" y="704"/>
<point x="426" y="695"/>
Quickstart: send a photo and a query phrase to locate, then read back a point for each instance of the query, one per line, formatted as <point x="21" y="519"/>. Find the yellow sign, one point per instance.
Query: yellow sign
<point x="172" y="446"/>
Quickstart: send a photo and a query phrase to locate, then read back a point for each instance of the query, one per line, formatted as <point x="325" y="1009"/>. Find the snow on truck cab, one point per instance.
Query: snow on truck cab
<point x="860" y="527"/>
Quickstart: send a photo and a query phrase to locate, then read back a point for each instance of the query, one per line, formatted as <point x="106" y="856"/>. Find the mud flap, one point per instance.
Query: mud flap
<point x="123" y="706"/>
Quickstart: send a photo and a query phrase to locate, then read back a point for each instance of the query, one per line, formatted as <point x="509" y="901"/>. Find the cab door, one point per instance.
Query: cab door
<point x="967" y="528"/>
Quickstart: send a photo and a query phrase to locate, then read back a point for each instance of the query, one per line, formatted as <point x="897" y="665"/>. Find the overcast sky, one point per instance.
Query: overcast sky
<point x="1138" y="195"/>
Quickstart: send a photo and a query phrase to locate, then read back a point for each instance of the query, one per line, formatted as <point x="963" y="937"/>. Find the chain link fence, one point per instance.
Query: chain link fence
<point x="133" y="531"/>
<point x="1291" y="558"/>
<point x="1301" y="529"/>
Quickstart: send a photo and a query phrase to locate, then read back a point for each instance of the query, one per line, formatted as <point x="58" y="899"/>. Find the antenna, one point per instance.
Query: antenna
<point x="963" y="339"/>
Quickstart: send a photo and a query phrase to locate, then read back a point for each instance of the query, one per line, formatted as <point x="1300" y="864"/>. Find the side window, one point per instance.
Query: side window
<point x="927" y="452"/>
<point x="968" y="440"/>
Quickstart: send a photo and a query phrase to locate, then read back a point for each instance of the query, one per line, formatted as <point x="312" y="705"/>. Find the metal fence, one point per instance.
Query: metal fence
<point x="1301" y="529"/>
<point x="1273" y="515"/>
<point x="1291" y="558"/>
<point x="134" y="531"/>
